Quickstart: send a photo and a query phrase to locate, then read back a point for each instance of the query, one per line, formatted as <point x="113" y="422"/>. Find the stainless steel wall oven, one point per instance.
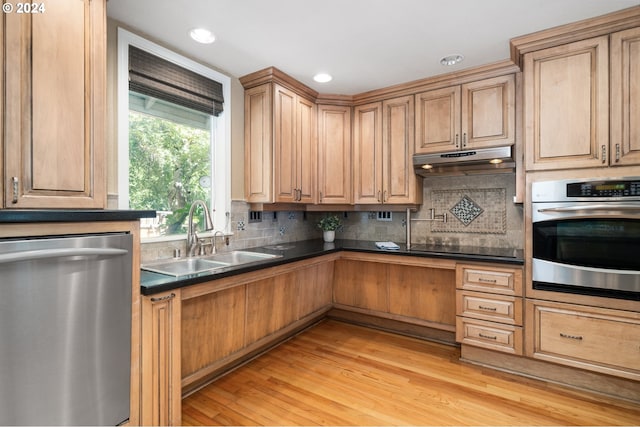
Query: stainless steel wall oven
<point x="586" y="237"/>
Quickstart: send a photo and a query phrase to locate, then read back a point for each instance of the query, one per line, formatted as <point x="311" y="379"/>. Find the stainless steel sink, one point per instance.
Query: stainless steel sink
<point x="241" y="257"/>
<point x="184" y="267"/>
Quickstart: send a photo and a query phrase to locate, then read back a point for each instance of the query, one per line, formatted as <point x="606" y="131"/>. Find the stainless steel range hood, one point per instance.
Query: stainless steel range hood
<point x="468" y="162"/>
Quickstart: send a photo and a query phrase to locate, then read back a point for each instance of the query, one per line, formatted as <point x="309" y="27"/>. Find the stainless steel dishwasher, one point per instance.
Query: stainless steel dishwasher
<point x="65" y="330"/>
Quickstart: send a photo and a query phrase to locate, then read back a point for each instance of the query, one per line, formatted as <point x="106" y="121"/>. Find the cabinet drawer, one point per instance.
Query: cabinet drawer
<point x="495" y="308"/>
<point x="490" y="335"/>
<point x="586" y="337"/>
<point x="505" y="281"/>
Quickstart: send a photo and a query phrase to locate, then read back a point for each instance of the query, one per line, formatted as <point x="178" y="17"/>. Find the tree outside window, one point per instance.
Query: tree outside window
<point x="169" y="168"/>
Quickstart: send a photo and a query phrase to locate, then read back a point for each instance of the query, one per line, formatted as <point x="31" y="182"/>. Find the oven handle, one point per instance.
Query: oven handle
<point x="609" y="208"/>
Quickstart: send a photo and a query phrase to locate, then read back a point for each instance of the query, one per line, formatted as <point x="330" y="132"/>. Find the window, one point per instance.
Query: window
<point x="171" y="150"/>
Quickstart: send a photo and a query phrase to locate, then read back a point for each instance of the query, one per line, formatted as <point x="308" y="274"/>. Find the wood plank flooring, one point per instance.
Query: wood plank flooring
<point x="341" y="374"/>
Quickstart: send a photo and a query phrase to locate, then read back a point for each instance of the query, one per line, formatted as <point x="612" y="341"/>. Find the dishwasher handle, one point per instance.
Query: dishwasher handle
<point x="58" y="253"/>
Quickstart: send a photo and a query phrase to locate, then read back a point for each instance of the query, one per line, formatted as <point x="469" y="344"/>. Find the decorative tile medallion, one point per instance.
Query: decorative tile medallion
<point x="480" y="210"/>
<point x="466" y="210"/>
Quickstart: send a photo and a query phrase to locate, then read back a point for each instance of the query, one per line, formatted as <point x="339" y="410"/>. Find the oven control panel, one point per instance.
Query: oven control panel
<point x="604" y="189"/>
<point x="587" y="190"/>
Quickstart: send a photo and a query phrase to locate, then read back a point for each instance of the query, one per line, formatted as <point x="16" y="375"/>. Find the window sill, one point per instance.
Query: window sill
<point x="177" y="237"/>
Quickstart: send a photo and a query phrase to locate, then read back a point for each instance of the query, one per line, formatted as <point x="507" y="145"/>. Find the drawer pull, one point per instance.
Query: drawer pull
<point x="488" y="337"/>
<point x="14" y="185"/>
<point x="164" y="298"/>
<point x="571" y="337"/>
<point x="482" y="279"/>
<point x="482" y="307"/>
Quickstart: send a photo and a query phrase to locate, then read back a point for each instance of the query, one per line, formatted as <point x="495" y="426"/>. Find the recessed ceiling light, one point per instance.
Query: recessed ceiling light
<point x="495" y="161"/>
<point x="427" y="167"/>
<point x="322" y="77"/>
<point x="450" y="60"/>
<point x="202" y="35"/>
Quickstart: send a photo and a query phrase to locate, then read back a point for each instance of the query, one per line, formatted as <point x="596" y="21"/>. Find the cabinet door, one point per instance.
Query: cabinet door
<point x="55" y="75"/>
<point x="272" y="306"/>
<point x="591" y="338"/>
<point x="315" y="288"/>
<point x="438" y="120"/>
<point x="362" y="284"/>
<point x="400" y="183"/>
<point x="488" y="113"/>
<point x="625" y="97"/>
<point x="306" y="151"/>
<point x="423" y="293"/>
<point x="161" y="390"/>
<point x="285" y="144"/>
<point x="258" y="144"/>
<point x="201" y="332"/>
<point x="367" y="154"/>
<point x="566" y="105"/>
<point x="334" y="154"/>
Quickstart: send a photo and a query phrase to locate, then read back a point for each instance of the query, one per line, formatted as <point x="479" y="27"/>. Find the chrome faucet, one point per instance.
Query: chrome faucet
<point x="192" y="237"/>
<point x="213" y="240"/>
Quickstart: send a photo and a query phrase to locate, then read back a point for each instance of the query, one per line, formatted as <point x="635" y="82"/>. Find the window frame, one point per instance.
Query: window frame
<point x="221" y="129"/>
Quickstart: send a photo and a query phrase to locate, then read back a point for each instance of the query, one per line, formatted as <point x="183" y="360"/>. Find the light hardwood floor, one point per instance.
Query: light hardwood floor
<point x="341" y="374"/>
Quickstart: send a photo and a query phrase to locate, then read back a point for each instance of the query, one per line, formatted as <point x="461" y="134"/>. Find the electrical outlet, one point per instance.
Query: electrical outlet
<point x="255" y="216"/>
<point x="384" y="216"/>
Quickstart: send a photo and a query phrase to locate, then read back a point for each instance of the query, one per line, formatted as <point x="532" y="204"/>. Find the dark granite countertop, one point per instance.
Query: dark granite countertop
<point x="152" y="283"/>
<point x="71" y="215"/>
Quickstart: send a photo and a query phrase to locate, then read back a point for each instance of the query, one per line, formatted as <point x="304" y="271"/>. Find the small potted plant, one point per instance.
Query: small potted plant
<point x="329" y="224"/>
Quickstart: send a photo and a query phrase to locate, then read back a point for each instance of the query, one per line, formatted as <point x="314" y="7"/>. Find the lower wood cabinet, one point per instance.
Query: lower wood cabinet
<point x="361" y="284"/>
<point x="597" y="339"/>
<point x="424" y="293"/>
<point x="161" y="402"/>
<point x="489" y="307"/>
<point x="213" y="327"/>
<point x="489" y="335"/>
<point x="408" y="289"/>
<point x="229" y="320"/>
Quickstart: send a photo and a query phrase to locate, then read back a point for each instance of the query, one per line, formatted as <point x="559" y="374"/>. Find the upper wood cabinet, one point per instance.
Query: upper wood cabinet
<point x="625" y="97"/>
<point x="294" y="147"/>
<point x="280" y="146"/>
<point x="383" y="148"/>
<point x="334" y="155"/>
<point x="367" y="153"/>
<point x="566" y="105"/>
<point x="473" y="115"/>
<point x="577" y="115"/>
<point x="258" y="144"/>
<point x="54" y="106"/>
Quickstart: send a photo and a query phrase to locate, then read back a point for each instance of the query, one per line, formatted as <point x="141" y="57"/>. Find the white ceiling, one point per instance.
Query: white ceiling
<point x="364" y="44"/>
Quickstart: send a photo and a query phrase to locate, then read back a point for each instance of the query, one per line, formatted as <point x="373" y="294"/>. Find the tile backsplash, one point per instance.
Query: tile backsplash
<point x="479" y="208"/>
<point x="480" y="212"/>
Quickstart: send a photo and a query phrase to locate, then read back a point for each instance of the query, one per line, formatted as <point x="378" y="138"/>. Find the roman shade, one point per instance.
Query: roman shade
<point x="157" y="77"/>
